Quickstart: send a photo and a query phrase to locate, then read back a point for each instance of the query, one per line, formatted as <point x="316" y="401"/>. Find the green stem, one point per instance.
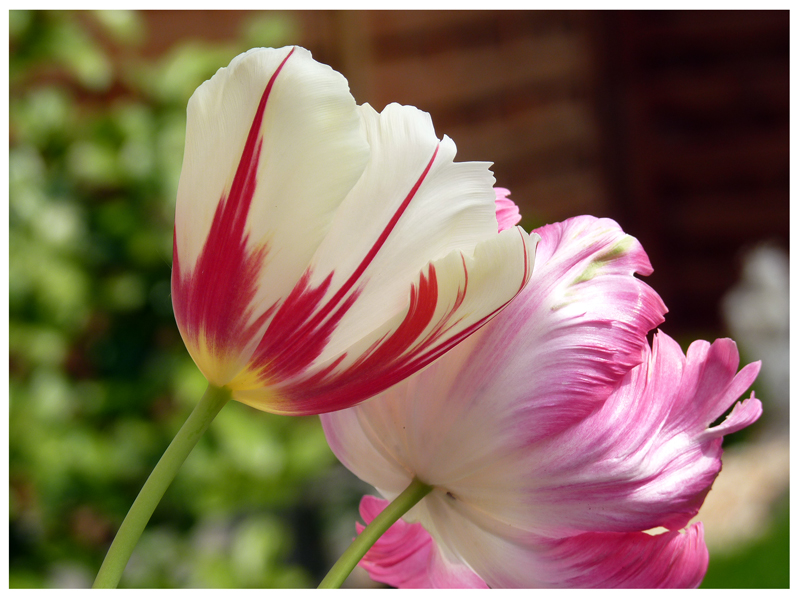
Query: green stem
<point x="155" y="486"/>
<point x="388" y="516"/>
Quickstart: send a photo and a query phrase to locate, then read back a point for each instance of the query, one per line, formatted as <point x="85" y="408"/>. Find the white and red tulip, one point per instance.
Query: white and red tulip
<point x="324" y="251"/>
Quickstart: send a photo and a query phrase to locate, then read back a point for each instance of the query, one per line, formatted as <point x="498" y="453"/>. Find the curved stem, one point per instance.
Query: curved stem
<point x="155" y="486"/>
<point x="365" y="540"/>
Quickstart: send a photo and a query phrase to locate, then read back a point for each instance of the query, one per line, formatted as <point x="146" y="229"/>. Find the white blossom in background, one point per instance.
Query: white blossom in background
<point x="756" y="311"/>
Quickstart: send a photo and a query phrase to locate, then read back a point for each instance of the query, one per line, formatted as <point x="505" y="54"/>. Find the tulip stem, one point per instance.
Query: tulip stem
<point x="155" y="486"/>
<point x="372" y="532"/>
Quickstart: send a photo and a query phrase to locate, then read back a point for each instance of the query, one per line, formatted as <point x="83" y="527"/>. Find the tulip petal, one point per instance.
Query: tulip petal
<point x="273" y="145"/>
<point x="412" y="205"/>
<point x="556" y="353"/>
<point x="629" y="560"/>
<point x="507" y="212"/>
<point x="647" y="458"/>
<point x="587" y="560"/>
<point x="368" y="445"/>
<point x="576" y="329"/>
<point x="710" y="385"/>
<point x="743" y="414"/>
<point x="406" y="556"/>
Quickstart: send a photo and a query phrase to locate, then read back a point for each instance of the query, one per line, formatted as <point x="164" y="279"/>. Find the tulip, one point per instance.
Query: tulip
<point x="324" y="251"/>
<point x="547" y="445"/>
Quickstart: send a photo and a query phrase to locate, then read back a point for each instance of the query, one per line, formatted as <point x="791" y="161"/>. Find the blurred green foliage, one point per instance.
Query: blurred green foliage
<point x="99" y="378"/>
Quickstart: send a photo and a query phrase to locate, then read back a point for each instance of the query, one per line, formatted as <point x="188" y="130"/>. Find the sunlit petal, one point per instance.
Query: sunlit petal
<point x="273" y="145"/>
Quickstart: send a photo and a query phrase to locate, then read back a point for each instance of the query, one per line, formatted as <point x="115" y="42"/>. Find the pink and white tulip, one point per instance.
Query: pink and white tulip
<point x="324" y="251"/>
<point x="554" y="437"/>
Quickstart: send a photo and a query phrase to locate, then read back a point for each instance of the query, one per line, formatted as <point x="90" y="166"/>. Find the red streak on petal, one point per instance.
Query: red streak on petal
<point x="422" y="307"/>
<point x="296" y="336"/>
<point x="368" y="375"/>
<point x="214" y="299"/>
<point x="389" y="360"/>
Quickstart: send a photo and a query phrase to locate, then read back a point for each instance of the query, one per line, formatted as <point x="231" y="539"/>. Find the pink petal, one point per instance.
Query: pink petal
<point x="628" y="560"/>
<point x="365" y="449"/>
<point x="646" y="459"/>
<point x="406" y="556"/>
<point x="710" y="385"/>
<point x="519" y="559"/>
<point x="576" y="329"/>
<point x="743" y="414"/>
<point x="507" y="212"/>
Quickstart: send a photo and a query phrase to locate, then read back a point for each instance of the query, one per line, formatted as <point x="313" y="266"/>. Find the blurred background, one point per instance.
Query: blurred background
<point x="676" y="124"/>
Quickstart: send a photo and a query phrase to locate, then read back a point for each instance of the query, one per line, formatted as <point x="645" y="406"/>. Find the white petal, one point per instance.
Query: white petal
<point x="313" y="151"/>
<point x="362" y="446"/>
<point x="502" y="562"/>
<point x="452" y="209"/>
